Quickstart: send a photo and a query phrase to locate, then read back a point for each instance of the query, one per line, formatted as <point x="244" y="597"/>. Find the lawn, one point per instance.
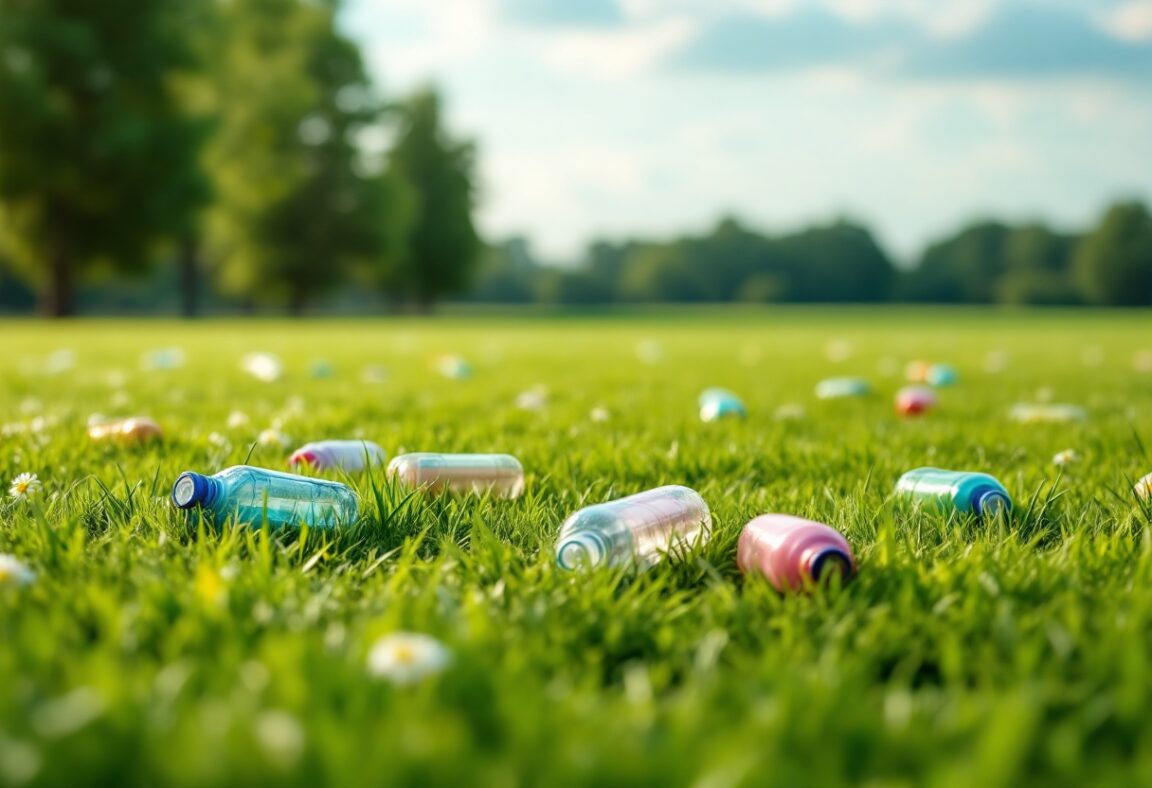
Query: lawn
<point x="152" y="649"/>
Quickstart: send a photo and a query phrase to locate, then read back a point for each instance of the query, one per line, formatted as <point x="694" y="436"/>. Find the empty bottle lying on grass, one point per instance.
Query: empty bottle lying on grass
<point x="257" y="495"/>
<point x="963" y="491"/>
<point x="716" y="404"/>
<point x="640" y="529"/>
<point x="352" y="456"/>
<point x="500" y="474"/>
<point x="139" y="429"/>
<point x="793" y="553"/>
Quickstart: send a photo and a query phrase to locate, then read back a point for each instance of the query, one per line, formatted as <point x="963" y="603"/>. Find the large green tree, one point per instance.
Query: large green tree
<point x="298" y="208"/>
<point x="1114" y="261"/>
<point x="97" y="157"/>
<point x="443" y="245"/>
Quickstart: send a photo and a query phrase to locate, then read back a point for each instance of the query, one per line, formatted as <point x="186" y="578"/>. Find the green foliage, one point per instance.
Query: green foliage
<point x="154" y="652"/>
<point x="443" y="246"/>
<point x="96" y="155"/>
<point x="297" y="209"/>
<point x="1114" y="262"/>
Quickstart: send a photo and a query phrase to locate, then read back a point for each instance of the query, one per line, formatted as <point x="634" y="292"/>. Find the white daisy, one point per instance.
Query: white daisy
<point x="24" y="486"/>
<point x="1066" y="457"/>
<point x="274" y="437"/>
<point x="15" y="572"/>
<point x="1144" y="487"/>
<point x="535" y="398"/>
<point x="237" y="419"/>
<point x="407" y="657"/>
<point x="599" y="414"/>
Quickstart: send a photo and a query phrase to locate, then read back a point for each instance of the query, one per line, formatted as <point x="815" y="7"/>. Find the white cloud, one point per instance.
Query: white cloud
<point x="1131" y="21"/>
<point x="616" y="53"/>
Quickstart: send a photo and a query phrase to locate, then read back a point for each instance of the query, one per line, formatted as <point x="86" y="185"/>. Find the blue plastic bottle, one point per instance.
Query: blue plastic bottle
<point x="716" y="404"/>
<point x="964" y="491"/>
<point x="255" y="494"/>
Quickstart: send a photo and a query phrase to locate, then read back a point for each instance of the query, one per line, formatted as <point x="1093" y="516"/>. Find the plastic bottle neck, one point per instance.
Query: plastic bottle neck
<point x="825" y="563"/>
<point x="584" y="549"/>
<point x="990" y="502"/>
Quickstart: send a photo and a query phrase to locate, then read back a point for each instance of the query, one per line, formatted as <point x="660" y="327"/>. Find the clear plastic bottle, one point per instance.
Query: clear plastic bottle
<point x="793" y="553"/>
<point x="640" y="529"/>
<point x="716" y="404"/>
<point x="139" y="429"/>
<point x="344" y="455"/>
<point x="964" y="491"/>
<point x="500" y="474"/>
<point x="840" y="388"/>
<point x="255" y="494"/>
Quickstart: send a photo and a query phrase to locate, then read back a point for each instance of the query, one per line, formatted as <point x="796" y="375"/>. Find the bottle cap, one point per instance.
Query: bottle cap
<point x="191" y="489"/>
<point x="584" y="549"/>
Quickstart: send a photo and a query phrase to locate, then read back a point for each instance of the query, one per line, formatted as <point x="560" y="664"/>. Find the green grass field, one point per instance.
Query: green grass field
<point x="153" y="651"/>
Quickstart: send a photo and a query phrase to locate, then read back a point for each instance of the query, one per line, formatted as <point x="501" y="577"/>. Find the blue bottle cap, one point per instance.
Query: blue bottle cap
<point x="191" y="489"/>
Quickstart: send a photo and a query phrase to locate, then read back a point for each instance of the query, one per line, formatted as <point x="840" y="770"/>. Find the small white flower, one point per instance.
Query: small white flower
<point x="24" y="486"/>
<point x="263" y="366"/>
<point x="15" y="572"/>
<point x="219" y="441"/>
<point x="281" y="737"/>
<point x="1066" y="457"/>
<point x="274" y="437"/>
<point x="1144" y="487"/>
<point x="237" y="419"/>
<point x="407" y="657"/>
<point x="599" y="414"/>
<point x="535" y="398"/>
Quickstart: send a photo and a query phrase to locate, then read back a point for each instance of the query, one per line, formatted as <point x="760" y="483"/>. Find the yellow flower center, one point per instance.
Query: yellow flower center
<point x="405" y="655"/>
<point x="22" y="487"/>
<point x="5" y="574"/>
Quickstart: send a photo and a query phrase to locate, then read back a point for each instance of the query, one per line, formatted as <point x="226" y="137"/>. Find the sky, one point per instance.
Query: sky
<point x="648" y="118"/>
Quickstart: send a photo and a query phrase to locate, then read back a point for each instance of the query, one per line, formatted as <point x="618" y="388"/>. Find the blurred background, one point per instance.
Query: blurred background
<point x="372" y="156"/>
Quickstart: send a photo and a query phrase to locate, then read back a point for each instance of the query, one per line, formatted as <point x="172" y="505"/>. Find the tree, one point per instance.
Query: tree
<point x="97" y="159"/>
<point x="443" y="245"/>
<point x="297" y="208"/>
<point x="1113" y="263"/>
<point x="963" y="268"/>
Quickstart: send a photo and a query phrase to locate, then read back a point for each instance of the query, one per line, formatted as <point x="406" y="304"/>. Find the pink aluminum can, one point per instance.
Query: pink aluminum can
<point x="793" y="553"/>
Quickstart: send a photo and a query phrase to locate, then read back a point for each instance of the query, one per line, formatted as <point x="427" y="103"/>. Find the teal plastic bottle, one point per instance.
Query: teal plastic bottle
<point x="255" y="494"/>
<point x="964" y="491"/>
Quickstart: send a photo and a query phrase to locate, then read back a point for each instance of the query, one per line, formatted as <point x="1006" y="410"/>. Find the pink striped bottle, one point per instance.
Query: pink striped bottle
<point x="793" y="553"/>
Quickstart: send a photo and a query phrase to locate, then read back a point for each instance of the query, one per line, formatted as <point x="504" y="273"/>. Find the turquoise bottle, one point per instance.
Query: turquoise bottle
<point x="253" y="495"/>
<point x="963" y="491"/>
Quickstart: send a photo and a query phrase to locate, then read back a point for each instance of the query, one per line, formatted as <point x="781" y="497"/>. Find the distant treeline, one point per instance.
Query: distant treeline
<point x="161" y="156"/>
<point x="987" y="262"/>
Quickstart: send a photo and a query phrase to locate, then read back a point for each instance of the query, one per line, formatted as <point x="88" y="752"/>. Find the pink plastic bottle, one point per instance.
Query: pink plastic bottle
<point x="793" y="553"/>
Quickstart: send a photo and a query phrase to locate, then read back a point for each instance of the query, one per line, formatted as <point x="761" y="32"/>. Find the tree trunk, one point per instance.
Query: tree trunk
<point x="57" y="299"/>
<point x="189" y="265"/>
